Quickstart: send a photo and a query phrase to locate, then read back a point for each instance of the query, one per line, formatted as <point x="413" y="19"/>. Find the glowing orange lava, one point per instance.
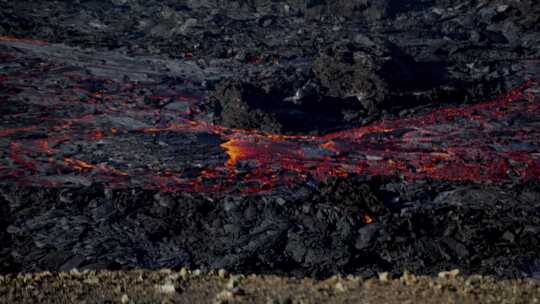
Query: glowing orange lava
<point x="78" y="164"/>
<point x="367" y="219"/>
<point x="124" y="142"/>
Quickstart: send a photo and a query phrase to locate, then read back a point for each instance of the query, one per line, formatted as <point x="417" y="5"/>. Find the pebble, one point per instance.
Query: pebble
<point x="339" y="287"/>
<point x="452" y="274"/>
<point x="287" y="9"/>
<point x="124" y="299"/>
<point x="384" y="277"/>
<point x="267" y="22"/>
<point x="184" y="273"/>
<point x="228" y="294"/>
<point x="222" y="273"/>
<point x="438" y="11"/>
<point x="509" y="236"/>
<point x="41" y="275"/>
<point x="165" y="271"/>
<point x="167" y="288"/>
<point x="173" y="276"/>
<point x="233" y="283"/>
<point x="91" y="281"/>
<point x="75" y="273"/>
<point x="502" y="8"/>
<point x="408" y="278"/>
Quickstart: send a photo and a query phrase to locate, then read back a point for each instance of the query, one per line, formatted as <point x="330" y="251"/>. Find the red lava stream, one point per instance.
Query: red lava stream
<point x="494" y="141"/>
<point x="457" y="144"/>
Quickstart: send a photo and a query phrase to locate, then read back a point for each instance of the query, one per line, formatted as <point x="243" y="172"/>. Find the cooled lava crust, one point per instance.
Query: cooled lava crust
<point x="352" y="138"/>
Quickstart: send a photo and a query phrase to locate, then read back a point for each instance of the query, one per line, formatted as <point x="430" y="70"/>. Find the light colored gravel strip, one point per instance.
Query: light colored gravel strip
<point x="166" y="286"/>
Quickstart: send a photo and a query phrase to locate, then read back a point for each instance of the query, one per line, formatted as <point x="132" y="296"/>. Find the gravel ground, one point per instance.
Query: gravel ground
<point x="165" y="286"/>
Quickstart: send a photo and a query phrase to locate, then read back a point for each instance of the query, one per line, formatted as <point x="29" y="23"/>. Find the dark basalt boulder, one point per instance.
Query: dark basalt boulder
<point x="371" y="72"/>
<point x="242" y="105"/>
<point x="246" y="105"/>
<point x="345" y="85"/>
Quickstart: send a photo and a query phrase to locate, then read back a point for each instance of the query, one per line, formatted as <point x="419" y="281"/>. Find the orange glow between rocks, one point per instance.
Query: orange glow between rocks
<point x="367" y="219"/>
<point x="78" y="164"/>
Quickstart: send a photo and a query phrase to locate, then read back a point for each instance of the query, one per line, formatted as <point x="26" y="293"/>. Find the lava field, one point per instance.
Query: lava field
<point x="271" y="137"/>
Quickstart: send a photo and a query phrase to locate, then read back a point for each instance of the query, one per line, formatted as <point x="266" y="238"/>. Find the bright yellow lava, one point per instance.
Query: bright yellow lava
<point x="233" y="150"/>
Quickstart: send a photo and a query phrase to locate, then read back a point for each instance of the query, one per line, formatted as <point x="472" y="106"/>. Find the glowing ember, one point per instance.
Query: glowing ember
<point x="235" y="152"/>
<point x="367" y="219"/>
<point x="78" y="164"/>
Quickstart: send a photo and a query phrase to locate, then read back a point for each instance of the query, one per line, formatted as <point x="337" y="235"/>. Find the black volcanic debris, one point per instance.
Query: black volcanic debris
<point x="351" y="83"/>
<point x="282" y="107"/>
<point x="317" y="233"/>
<point x="241" y="105"/>
<point x="216" y="28"/>
<point x="6" y="262"/>
<point x="142" y="90"/>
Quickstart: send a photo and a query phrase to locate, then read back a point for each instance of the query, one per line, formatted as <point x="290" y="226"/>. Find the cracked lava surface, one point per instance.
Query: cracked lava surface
<point x="71" y="117"/>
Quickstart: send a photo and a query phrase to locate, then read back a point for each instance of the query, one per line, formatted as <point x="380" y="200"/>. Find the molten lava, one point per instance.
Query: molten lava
<point x="458" y="143"/>
<point x="367" y="219"/>
<point x="76" y="128"/>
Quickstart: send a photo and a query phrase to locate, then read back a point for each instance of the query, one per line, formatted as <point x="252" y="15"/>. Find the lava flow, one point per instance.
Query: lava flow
<point x="67" y="123"/>
<point x="471" y="143"/>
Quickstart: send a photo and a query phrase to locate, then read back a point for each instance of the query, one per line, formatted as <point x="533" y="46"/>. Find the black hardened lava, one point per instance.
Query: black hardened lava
<point x="344" y="226"/>
<point x="300" y="138"/>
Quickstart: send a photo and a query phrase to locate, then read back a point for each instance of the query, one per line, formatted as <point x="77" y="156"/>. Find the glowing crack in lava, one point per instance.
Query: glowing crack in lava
<point x="470" y="143"/>
<point x="77" y="120"/>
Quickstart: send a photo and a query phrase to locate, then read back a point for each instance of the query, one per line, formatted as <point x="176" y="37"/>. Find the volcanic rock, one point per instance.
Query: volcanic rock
<point x="119" y="146"/>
